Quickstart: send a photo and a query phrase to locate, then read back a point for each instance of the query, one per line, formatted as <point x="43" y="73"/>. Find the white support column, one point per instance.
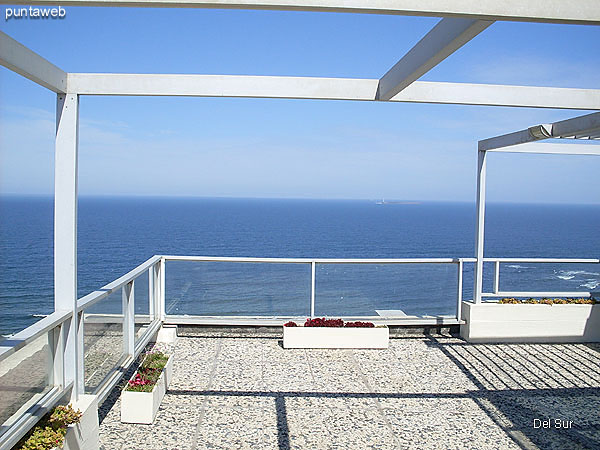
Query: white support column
<point x="480" y="225"/>
<point x="128" y="296"/>
<point x="65" y="229"/>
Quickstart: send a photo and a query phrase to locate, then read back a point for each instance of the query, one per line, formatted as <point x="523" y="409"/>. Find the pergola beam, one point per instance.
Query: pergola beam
<point x="578" y="126"/>
<point x="445" y="38"/>
<point x="551" y="148"/>
<point x="583" y="12"/>
<point x="330" y="89"/>
<point x="20" y="59"/>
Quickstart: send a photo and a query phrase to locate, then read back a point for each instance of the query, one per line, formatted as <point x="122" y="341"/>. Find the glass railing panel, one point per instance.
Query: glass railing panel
<point x="103" y="339"/>
<point x="391" y="290"/>
<point x="25" y="376"/>
<point x="237" y="289"/>
<point x="143" y="313"/>
<point x="549" y="277"/>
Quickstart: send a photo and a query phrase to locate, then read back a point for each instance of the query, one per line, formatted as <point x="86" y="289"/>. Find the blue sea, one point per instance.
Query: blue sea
<point x="117" y="234"/>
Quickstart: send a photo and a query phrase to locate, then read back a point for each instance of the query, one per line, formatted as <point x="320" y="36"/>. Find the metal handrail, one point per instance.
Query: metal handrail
<point x="519" y="294"/>
<point x="19" y="340"/>
<point x="95" y="296"/>
<point x="543" y="260"/>
<point x="318" y="260"/>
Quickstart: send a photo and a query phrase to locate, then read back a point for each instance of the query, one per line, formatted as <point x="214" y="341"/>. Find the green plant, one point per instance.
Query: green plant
<point x="51" y="430"/>
<point x="148" y="373"/>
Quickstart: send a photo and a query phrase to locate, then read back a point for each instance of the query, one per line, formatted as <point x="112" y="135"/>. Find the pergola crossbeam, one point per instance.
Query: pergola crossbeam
<point x="582" y="127"/>
<point x="20" y="59"/>
<point x="445" y="38"/>
<point x="330" y="89"/>
<point x="582" y="12"/>
<point x="550" y="148"/>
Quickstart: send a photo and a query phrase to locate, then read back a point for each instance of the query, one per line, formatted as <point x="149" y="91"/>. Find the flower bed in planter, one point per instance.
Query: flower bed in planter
<point x="141" y="397"/>
<point x="543" y="320"/>
<point x="334" y="333"/>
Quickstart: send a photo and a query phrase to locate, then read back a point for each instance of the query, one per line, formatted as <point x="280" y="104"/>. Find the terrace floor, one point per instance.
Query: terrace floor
<point x="422" y="392"/>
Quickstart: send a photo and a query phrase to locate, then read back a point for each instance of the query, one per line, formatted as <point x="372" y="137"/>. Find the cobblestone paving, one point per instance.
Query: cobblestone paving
<point x="421" y="393"/>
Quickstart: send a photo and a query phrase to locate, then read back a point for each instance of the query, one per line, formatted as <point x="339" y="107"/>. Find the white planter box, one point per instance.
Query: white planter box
<point x="141" y="407"/>
<point x="85" y="434"/>
<point x="325" y="337"/>
<point x="494" y="322"/>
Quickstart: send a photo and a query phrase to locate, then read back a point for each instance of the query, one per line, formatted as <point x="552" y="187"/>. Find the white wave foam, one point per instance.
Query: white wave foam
<point x="591" y="284"/>
<point x="576" y="272"/>
<point x="566" y="277"/>
<point x="517" y="266"/>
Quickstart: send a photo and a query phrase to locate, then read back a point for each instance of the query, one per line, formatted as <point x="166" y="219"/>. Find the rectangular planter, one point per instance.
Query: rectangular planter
<point x="494" y="322"/>
<point x="325" y="337"/>
<point x="141" y="407"/>
<point x="85" y="434"/>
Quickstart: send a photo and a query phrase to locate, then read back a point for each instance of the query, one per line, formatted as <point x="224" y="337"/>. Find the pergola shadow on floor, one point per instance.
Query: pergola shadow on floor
<point x="422" y="392"/>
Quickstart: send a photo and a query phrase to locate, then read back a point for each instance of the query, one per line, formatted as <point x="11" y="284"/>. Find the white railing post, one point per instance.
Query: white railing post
<point x="496" y="277"/>
<point x="151" y="293"/>
<point x="65" y="228"/>
<point x="80" y="379"/>
<point x="128" y="296"/>
<point x="459" y="293"/>
<point x="162" y="299"/>
<point x="480" y="226"/>
<point x="55" y="360"/>
<point x="313" y="265"/>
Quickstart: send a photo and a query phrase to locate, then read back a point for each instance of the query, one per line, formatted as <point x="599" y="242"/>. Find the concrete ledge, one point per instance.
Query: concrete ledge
<point x="494" y="322"/>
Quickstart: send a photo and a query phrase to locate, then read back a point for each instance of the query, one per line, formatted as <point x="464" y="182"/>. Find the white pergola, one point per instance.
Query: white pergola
<point x="583" y="128"/>
<point x="461" y="21"/>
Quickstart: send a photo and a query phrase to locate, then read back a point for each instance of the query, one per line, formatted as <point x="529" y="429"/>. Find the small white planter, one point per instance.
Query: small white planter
<point x="326" y="337"/>
<point x="495" y="322"/>
<point x="84" y="435"/>
<point x="141" y="407"/>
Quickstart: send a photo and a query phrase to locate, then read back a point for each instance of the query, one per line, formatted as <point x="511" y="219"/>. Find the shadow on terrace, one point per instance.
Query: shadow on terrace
<point x="422" y="392"/>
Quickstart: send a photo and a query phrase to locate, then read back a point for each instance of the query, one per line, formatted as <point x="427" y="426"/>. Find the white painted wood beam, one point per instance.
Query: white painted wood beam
<point x="330" y="89"/>
<point x="65" y="232"/>
<point x="548" y="11"/>
<point x="20" y="59"/>
<point x="445" y="38"/>
<point x="577" y="126"/>
<point x="552" y="148"/>
<point x="480" y="226"/>
<point x="500" y="95"/>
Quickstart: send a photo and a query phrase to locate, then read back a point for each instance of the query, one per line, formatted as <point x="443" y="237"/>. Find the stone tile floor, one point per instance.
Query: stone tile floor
<point x="421" y="393"/>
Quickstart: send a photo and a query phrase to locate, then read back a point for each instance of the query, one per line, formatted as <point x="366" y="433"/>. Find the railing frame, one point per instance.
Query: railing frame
<point x="497" y="293"/>
<point x="56" y="325"/>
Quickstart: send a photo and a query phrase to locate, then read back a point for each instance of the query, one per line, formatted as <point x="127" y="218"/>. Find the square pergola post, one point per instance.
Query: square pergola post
<point x="65" y="236"/>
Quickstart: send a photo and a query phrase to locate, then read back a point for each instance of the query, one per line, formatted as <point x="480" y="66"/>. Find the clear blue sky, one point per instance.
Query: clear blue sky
<point x="290" y="148"/>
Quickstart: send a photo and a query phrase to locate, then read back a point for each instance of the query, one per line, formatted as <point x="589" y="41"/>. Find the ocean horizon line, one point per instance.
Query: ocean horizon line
<point x="385" y="200"/>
